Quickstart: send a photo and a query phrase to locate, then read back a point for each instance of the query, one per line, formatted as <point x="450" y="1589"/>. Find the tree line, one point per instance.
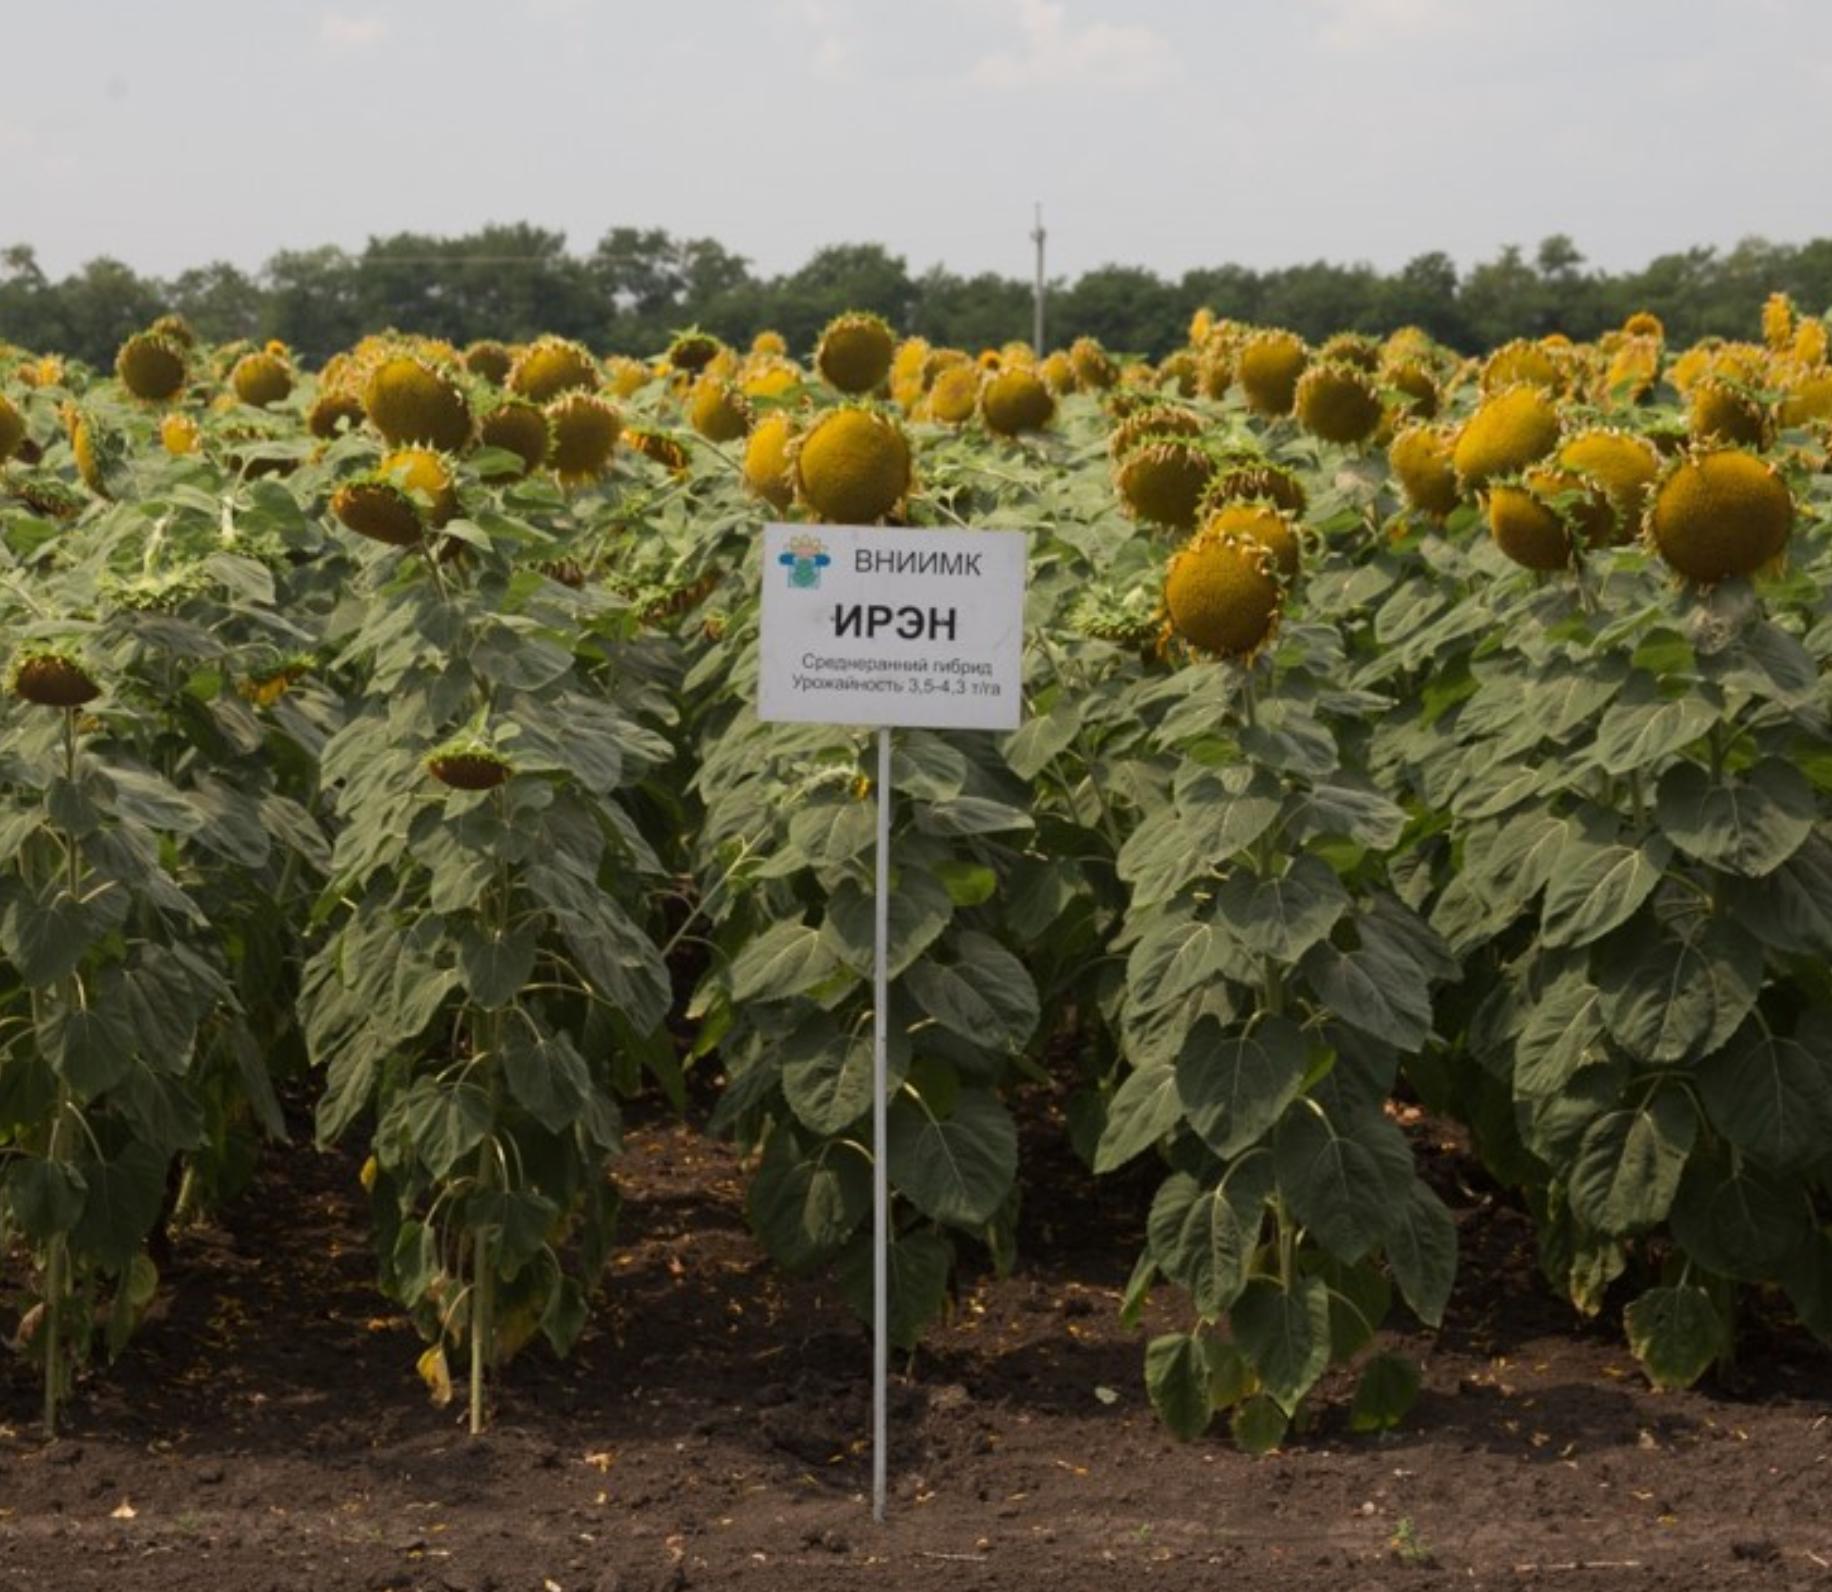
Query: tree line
<point x="638" y="286"/>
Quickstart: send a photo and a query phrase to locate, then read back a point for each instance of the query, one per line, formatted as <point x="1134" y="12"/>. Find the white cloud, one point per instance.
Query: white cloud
<point x="345" y="32"/>
<point x="1057" y="52"/>
<point x="832" y="43"/>
<point x="1360" y="24"/>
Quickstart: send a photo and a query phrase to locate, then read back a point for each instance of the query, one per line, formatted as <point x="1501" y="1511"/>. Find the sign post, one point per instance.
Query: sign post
<point x="870" y="626"/>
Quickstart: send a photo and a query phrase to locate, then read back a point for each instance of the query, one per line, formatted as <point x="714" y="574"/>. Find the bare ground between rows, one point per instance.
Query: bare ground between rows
<point x="267" y="1431"/>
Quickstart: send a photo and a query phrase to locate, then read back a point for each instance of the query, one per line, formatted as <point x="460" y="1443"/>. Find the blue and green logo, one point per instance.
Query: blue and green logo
<point x="805" y="559"/>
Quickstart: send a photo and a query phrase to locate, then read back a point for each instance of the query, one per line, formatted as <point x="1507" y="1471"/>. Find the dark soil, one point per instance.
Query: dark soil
<point x="267" y="1430"/>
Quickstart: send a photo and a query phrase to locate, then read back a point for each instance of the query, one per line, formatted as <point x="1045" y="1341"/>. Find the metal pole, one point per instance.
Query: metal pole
<point x="880" y="1170"/>
<point x="1037" y="237"/>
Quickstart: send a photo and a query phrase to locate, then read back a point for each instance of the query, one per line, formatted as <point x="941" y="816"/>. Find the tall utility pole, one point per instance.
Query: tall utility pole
<point x="1037" y="237"/>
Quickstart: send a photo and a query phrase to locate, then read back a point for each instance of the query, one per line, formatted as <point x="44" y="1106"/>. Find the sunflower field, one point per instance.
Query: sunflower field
<point x="1405" y="733"/>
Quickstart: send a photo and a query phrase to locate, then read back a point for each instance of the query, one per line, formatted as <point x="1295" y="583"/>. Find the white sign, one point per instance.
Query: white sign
<point x="863" y="625"/>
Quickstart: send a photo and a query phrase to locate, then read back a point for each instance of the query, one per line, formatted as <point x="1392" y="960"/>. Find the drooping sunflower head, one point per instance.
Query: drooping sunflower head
<point x="1527" y="528"/>
<point x="489" y="360"/>
<point x="660" y="447"/>
<point x="625" y="376"/>
<point x="1248" y="477"/>
<point x="376" y="508"/>
<point x="1621" y="463"/>
<point x="692" y="350"/>
<point x="334" y="411"/>
<point x="717" y="409"/>
<point x="468" y="765"/>
<point x="1719" y="513"/>
<point x="584" y="429"/>
<point x="1633" y="370"/>
<point x="1778" y="322"/>
<point x="550" y="366"/>
<point x="1421" y="460"/>
<point x="769" y="342"/>
<point x="179" y="435"/>
<point x="52" y="677"/>
<point x="1223" y="595"/>
<point x="768" y="469"/>
<point x="1150" y="421"/>
<point x="1268" y="369"/>
<point x="12" y="428"/>
<point x="1016" y="400"/>
<point x="177" y="328"/>
<point x="1272" y="527"/>
<point x="152" y="366"/>
<point x="1509" y="431"/>
<point x="1093" y="368"/>
<point x="954" y="394"/>
<point x="1417" y="389"/>
<point x="1338" y="402"/>
<point x="852" y="467"/>
<point x="1351" y="348"/>
<point x="855" y="353"/>
<point x="1645" y="323"/>
<point x="1177" y="372"/>
<point x="261" y="379"/>
<point x="411" y="401"/>
<point x="1523" y="362"/>
<point x="519" y="427"/>
<point x="1161" y="480"/>
<point x="1718" y="410"/>
<point x="769" y="376"/>
<point x="1810" y="341"/>
<point x="1058" y="372"/>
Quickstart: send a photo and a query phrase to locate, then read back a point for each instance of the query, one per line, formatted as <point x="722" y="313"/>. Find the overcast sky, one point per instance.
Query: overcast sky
<point x="1169" y="133"/>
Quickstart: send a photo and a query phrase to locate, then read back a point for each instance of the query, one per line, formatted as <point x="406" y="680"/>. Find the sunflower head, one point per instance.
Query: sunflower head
<point x="489" y="361"/>
<point x="1719" y="513"/>
<point x="334" y="411"/>
<point x="1510" y="430"/>
<point x="414" y="402"/>
<point x="855" y="353"/>
<point x="692" y="350"/>
<point x="1247" y="477"/>
<point x="1420" y="458"/>
<point x="954" y="394"/>
<point x="550" y="366"/>
<point x="1265" y="523"/>
<point x="852" y="467"/>
<point x="1778" y="322"/>
<point x="1621" y="463"/>
<point x="1016" y="400"/>
<point x="1527" y="528"/>
<point x="12" y="428"/>
<point x="516" y="426"/>
<point x="1338" y="402"/>
<point x="52" y="677"/>
<point x="717" y="409"/>
<point x="261" y="379"/>
<point x="152" y="366"/>
<point x="768" y="469"/>
<point x="1161" y="480"/>
<point x="1724" y="411"/>
<point x="584" y="430"/>
<point x="1268" y="369"/>
<point x="1523" y="362"/>
<point x="1223" y="595"/>
<point x="468" y="765"/>
<point x="1093" y="368"/>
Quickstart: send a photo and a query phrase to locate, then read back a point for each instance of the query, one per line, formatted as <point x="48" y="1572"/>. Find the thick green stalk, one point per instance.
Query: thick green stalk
<point x="57" y="1255"/>
<point x="55" y="1283"/>
<point x="482" y="1298"/>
